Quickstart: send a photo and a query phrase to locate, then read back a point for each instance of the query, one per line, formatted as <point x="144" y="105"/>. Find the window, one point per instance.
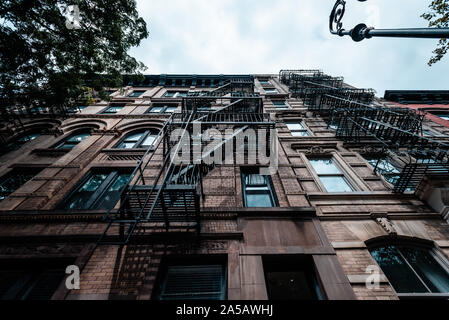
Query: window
<point x="330" y="175"/>
<point x="31" y="281"/>
<point x="18" y="143"/>
<point x="412" y="270"/>
<point x="297" y="129"/>
<point x="12" y="181"/>
<point x="136" y="94"/>
<point x="138" y="139"/>
<point x="257" y="190"/>
<point x="175" y="94"/>
<point x="290" y="278"/>
<point x="192" y="281"/>
<point x="271" y="90"/>
<point x="73" y="140"/>
<point x="163" y="108"/>
<point x="76" y="109"/>
<point x="99" y="190"/>
<point x="386" y="169"/>
<point x="281" y="105"/>
<point x="113" y="109"/>
<point x="264" y="82"/>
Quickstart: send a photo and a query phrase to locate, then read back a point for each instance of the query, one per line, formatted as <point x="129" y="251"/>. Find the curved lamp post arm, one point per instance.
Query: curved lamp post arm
<point x="362" y="31"/>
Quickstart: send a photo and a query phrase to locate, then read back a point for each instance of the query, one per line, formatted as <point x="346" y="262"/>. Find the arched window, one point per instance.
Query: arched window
<point x="72" y="140"/>
<point x="413" y="270"/>
<point x="138" y="139"/>
<point x="18" y="143"/>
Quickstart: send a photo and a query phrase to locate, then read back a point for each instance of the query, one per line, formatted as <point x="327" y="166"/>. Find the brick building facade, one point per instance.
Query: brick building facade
<point x="335" y="212"/>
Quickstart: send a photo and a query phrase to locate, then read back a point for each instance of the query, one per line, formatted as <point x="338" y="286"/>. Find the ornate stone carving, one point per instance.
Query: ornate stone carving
<point x="111" y="132"/>
<point x="316" y="150"/>
<point x="54" y="131"/>
<point x="386" y="224"/>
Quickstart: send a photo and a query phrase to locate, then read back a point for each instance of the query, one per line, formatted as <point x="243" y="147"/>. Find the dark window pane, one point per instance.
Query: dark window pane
<point x="289" y="279"/>
<point x="80" y="199"/>
<point x="430" y="271"/>
<point x="112" y="195"/>
<point x="402" y="278"/>
<point x="13" y="181"/>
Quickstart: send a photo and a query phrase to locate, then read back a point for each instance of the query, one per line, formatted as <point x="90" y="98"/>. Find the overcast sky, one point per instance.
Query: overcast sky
<point x="264" y="36"/>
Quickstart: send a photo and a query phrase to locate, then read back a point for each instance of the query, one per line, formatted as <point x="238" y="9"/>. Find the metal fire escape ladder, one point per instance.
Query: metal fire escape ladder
<point x="171" y="199"/>
<point x="356" y="117"/>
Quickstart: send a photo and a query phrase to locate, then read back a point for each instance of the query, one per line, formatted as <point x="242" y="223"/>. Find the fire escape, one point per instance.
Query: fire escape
<point x="357" y="117"/>
<point x="165" y="191"/>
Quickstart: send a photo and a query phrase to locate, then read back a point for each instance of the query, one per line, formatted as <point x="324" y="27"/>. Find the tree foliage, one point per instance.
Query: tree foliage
<point x="49" y="48"/>
<point x="438" y="17"/>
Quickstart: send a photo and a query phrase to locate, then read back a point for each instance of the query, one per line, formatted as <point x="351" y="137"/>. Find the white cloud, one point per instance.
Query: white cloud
<point x="249" y="36"/>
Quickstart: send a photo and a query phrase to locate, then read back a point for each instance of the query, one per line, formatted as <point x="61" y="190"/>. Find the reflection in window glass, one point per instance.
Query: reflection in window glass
<point x="113" y="110"/>
<point x="140" y="139"/>
<point x="73" y="140"/>
<point x="281" y="105"/>
<point x="100" y="191"/>
<point x="258" y="192"/>
<point x="386" y="169"/>
<point x="136" y="94"/>
<point x="163" y="108"/>
<point x="14" y="180"/>
<point x="297" y="129"/>
<point x="330" y="175"/>
<point x="18" y="143"/>
<point x="112" y="195"/>
<point x="412" y="270"/>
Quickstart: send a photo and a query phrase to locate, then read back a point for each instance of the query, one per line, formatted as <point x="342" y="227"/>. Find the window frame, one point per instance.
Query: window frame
<point x="244" y="172"/>
<point x="384" y="175"/>
<point x="105" y="110"/>
<point x="302" y="124"/>
<point x="414" y="244"/>
<point x="138" y="145"/>
<point x="190" y="261"/>
<point x="35" y="171"/>
<point x="163" y="106"/>
<point x="176" y="94"/>
<point x="350" y="182"/>
<point x="64" y="140"/>
<point x="132" y="94"/>
<point x="98" y="195"/>
<point x="267" y="90"/>
<point x="286" y="105"/>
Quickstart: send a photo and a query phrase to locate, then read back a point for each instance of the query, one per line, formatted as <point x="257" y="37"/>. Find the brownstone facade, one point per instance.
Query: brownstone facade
<point x="334" y="230"/>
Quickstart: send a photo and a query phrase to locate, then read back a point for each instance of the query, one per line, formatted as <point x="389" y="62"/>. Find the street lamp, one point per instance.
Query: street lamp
<point x="362" y="31"/>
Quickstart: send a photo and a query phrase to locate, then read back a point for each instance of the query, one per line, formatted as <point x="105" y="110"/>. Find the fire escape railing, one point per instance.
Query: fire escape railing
<point x="356" y="117"/>
<point x="170" y="200"/>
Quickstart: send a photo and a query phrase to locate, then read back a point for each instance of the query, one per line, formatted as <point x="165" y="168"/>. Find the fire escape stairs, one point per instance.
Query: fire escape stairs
<point x="358" y="118"/>
<point x="171" y="202"/>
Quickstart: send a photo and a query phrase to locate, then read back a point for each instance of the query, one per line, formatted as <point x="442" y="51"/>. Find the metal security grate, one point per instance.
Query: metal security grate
<point x="200" y="282"/>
